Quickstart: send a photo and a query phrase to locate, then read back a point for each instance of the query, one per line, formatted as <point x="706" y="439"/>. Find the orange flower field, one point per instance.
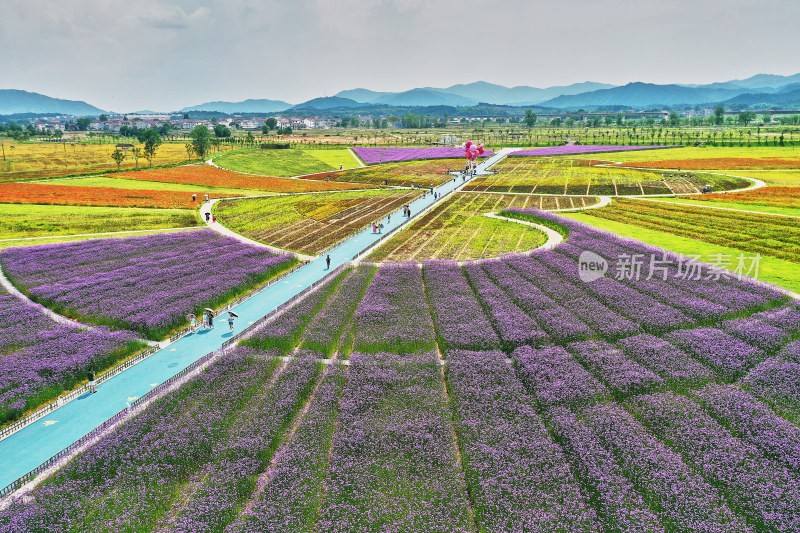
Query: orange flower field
<point x="726" y="163"/>
<point x="774" y="196"/>
<point x="217" y="177"/>
<point x="42" y="193"/>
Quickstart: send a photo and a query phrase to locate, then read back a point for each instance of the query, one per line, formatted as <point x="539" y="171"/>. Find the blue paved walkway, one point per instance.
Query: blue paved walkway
<point x="31" y="446"/>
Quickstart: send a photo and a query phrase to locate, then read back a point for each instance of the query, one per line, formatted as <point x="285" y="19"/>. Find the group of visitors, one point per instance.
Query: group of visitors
<point x="407" y="211"/>
<point x="377" y="227"/>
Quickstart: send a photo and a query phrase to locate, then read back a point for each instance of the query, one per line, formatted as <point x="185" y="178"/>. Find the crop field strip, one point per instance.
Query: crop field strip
<point x="312" y="223"/>
<point x="18" y="221"/>
<point x="609" y="446"/>
<point x="31" y="161"/>
<point x="754" y="233"/>
<point x="580" y="177"/>
<point x="110" y="181"/>
<point x="285" y="163"/>
<point x="201" y="175"/>
<point x="458" y="230"/>
<point x="402" y="174"/>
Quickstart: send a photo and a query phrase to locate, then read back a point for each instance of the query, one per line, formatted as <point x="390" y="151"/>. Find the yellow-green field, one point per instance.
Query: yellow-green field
<point x="286" y="163"/>
<point x="36" y="160"/>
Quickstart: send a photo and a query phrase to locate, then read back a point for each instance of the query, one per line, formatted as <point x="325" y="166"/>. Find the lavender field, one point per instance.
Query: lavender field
<point x="372" y="156"/>
<point x="40" y="358"/>
<point x="145" y="284"/>
<point x="500" y="395"/>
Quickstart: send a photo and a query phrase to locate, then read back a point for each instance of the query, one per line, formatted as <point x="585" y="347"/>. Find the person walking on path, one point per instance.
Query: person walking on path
<point x="431" y="188"/>
<point x="205" y="321"/>
<point x="380" y="227"/>
<point x="208" y="216"/>
<point x="214" y="218"/>
<point x="194" y="197"/>
<point x="210" y="320"/>
<point x="231" y="318"/>
<point x="388" y="218"/>
<point x="192" y="322"/>
<point x="206" y="197"/>
<point x="92" y="384"/>
<point x="374" y="228"/>
<point x="328" y="262"/>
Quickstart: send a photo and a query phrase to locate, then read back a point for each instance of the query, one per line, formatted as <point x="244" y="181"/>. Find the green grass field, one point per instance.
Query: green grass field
<point x="771" y="269"/>
<point x="285" y="163"/>
<point x="458" y="230"/>
<point x="403" y="174"/>
<point x="123" y="183"/>
<point x="30" y="220"/>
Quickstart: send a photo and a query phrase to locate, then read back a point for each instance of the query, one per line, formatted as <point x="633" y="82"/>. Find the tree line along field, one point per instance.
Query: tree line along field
<point x="458" y="230"/>
<point x="32" y="161"/>
<point x="309" y="223"/>
<point x="287" y="162"/>
<point x="582" y="177"/>
<point x="503" y="395"/>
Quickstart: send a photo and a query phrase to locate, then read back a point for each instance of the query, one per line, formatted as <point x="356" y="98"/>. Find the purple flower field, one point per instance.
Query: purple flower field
<point x="40" y="358"/>
<point x="372" y="156"/>
<point x="145" y="284"/>
<point x="502" y="395"/>
<point x="582" y="149"/>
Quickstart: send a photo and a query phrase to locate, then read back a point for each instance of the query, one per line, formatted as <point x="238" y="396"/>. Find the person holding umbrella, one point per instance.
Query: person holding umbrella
<point x="231" y="317"/>
<point x="210" y="315"/>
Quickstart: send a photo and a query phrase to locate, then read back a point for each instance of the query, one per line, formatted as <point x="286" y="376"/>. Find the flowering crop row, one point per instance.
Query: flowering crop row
<point x="290" y="501"/>
<point x="393" y="316"/>
<point x="619" y="372"/>
<point x="518" y="478"/>
<point x="372" y="156"/>
<point x="457" y="313"/>
<point x="753" y="422"/>
<point x="682" y="498"/>
<point x="40" y="358"/>
<point x="513" y="325"/>
<point x="147" y="284"/>
<point x="283" y="332"/>
<point x="130" y="476"/>
<point x="777" y="380"/>
<point x="670" y="362"/>
<point x="560" y="324"/>
<point x="218" y="177"/>
<point x="768" y="495"/>
<point x="393" y="461"/>
<point x="621" y="507"/>
<point x="555" y="377"/>
<point x="325" y="329"/>
<point x="728" y="355"/>
<point x="43" y="193"/>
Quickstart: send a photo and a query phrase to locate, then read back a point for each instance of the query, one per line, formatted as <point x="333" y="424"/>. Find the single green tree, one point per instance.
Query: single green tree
<point x="200" y="140"/>
<point x="83" y="123"/>
<point x="118" y="156"/>
<point x="222" y="131"/>
<point x="102" y="118"/>
<point x="719" y="115"/>
<point x="152" y="140"/>
<point x="189" y="150"/>
<point x="530" y="118"/>
<point x="136" y="153"/>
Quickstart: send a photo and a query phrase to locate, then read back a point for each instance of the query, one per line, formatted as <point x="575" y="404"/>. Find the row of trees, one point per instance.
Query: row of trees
<point x="151" y="140"/>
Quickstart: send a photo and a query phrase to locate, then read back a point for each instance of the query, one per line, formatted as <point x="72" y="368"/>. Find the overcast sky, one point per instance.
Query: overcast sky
<point x="125" y="55"/>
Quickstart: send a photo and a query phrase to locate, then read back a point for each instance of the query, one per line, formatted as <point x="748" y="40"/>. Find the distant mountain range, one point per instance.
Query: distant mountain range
<point x="15" y="101"/>
<point x="247" y="106"/>
<point x="759" y="92"/>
